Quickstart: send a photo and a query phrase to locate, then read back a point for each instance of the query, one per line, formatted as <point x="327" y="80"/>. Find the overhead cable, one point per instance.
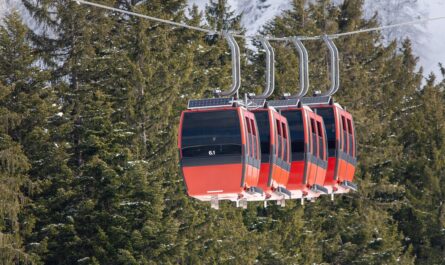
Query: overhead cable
<point x="319" y="37"/>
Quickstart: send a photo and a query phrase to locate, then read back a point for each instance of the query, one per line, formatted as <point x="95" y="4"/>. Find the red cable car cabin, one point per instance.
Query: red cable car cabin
<point x="219" y="150"/>
<point x="341" y="144"/>
<point x="309" y="149"/>
<point x="275" y="153"/>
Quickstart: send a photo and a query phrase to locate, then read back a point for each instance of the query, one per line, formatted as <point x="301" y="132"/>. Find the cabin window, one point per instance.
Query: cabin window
<point x="328" y="117"/>
<point x="320" y="140"/>
<point x="211" y="133"/>
<point x="248" y="125"/>
<point x="254" y="139"/>
<point x="351" y="140"/>
<point x="325" y="141"/>
<point x="314" y="138"/>
<point x="279" y="139"/>
<point x="262" y="120"/>
<point x="345" y="134"/>
<point x="296" y="129"/>
<point x="284" y="130"/>
<point x="249" y="138"/>
<point x="253" y="127"/>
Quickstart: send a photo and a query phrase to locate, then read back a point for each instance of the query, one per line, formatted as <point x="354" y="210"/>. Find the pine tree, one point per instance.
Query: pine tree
<point x="422" y="218"/>
<point x="361" y="92"/>
<point x="78" y="195"/>
<point x="21" y="108"/>
<point x="99" y="139"/>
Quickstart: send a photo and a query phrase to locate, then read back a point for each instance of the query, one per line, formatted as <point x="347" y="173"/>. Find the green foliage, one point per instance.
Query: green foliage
<point x="20" y="105"/>
<point x="89" y="170"/>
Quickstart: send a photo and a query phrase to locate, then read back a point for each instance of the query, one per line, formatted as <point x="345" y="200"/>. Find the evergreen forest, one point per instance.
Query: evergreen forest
<point x="90" y="102"/>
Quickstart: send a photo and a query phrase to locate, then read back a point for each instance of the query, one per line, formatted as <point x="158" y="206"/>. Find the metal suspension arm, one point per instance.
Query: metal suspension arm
<point x="236" y="67"/>
<point x="335" y="74"/>
<point x="304" y="68"/>
<point x="270" y="70"/>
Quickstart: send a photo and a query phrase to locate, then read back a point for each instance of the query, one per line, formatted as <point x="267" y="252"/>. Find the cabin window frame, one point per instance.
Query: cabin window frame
<point x="321" y="147"/>
<point x="314" y="137"/>
<point x="285" y="142"/>
<point x="279" y="139"/>
<point x="344" y="131"/>
<point x="254" y="139"/>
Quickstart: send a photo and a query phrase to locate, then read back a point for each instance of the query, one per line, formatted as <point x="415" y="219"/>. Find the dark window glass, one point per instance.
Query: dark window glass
<point x="349" y="126"/>
<point x="351" y="150"/>
<point x="262" y="121"/>
<point x="284" y="130"/>
<point x="320" y="140"/>
<point x="255" y="148"/>
<point x="319" y="130"/>
<point x="279" y="139"/>
<point x="248" y="125"/>
<point x="253" y="127"/>
<point x="314" y="138"/>
<point x="325" y="139"/>
<point x="328" y="117"/>
<point x="211" y="133"/>
<point x="283" y="126"/>
<point x="249" y="138"/>
<point x="313" y="126"/>
<point x="345" y="134"/>
<point x="296" y="129"/>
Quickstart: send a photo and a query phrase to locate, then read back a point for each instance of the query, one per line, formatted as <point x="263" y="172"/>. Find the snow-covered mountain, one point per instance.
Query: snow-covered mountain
<point x="6" y="6"/>
<point x="427" y="38"/>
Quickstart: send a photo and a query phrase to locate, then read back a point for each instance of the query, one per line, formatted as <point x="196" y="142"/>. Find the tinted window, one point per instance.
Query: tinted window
<point x="296" y="128"/>
<point x="320" y="140"/>
<point x="262" y="121"/>
<point x="249" y="137"/>
<point x="314" y="138"/>
<point x="254" y="139"/>
<point x="345" y="135"/>
<point x="329" y="123"/>
<point x="351" y="150"/>
<point x="284" y="141"/>
<point x="211" y="133"/>
<point x="279" y="140"/>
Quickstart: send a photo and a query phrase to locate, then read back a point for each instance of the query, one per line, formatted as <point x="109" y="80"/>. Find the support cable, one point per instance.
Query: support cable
<point x="303" y="38"/>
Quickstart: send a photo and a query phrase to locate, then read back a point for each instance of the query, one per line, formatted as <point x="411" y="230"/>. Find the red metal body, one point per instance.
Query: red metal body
<point x="218" y="174"/>
<point x="341" y="144"/>
<point x="309" y="151"/>
<point x="276" y="154"/>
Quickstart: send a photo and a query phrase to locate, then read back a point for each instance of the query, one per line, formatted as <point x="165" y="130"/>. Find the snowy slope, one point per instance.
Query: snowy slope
<point x="433" y="50"/>
<point x="256" y="13"/>
<point x="6" y="6"/>
<point x="427" y="39"/>
<point x="3" y="8"/>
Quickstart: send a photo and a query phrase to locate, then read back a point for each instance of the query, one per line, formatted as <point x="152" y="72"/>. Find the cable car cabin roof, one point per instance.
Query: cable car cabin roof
<point x="219" y="152"/>
<point x="210" y="103"/>
<point x="319" y="101"/>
